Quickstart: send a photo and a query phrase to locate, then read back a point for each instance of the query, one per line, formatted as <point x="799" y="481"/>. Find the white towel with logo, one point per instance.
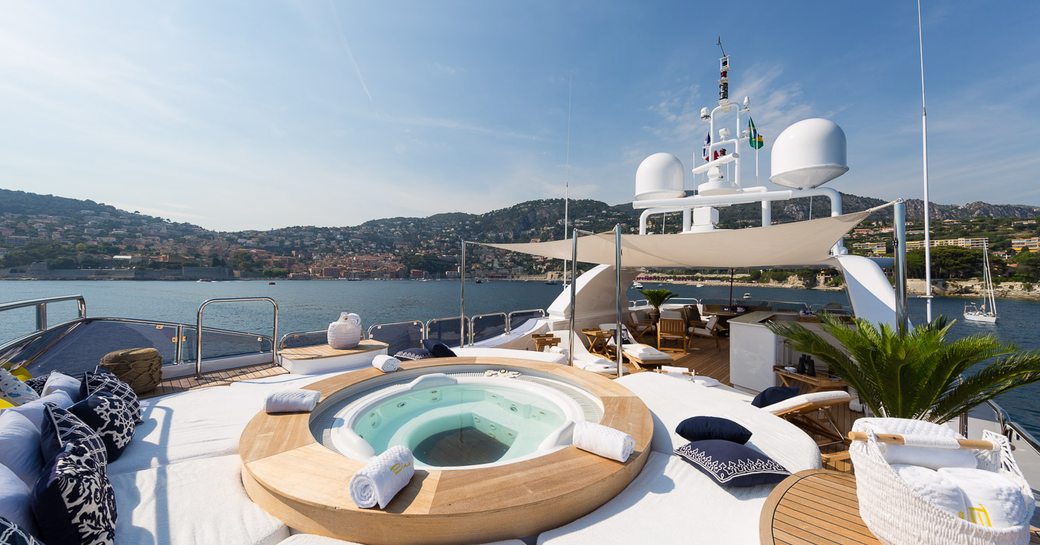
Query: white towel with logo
<point x="386" y="364"/>
<point x="292" y="401"/>
<point x="933" y="487"/>
<point x="382" y="478"/>
<point x="603" y="441"/>
<point x="993" y="499"/>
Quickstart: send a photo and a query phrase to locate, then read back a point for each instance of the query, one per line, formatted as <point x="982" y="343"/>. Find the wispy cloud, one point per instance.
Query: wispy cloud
<point x="341" y="34"/>
<point x="445" y="69"/>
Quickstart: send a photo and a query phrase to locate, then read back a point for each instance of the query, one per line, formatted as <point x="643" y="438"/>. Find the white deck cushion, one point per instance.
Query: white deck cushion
<point x="668" y="490"/>
<point x="191" y="503"/>
<point x="671" y="401"/>
<point x="669" y="503"/>
<point x="189" y="425"/>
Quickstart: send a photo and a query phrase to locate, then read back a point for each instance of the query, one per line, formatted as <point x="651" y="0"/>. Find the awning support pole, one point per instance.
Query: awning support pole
<point x="899" y="222"/>
<point x="617" y="293"/>
<point x="574" y="295"/>
<point x="462" y="296"/>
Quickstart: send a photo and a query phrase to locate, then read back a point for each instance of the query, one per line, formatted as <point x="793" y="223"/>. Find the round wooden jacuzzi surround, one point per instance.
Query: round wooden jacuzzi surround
<point x="290" y="474"/>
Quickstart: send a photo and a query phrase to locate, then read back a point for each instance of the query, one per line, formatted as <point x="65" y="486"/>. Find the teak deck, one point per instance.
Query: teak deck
<point x="326" y="351"/>
<point x="818" y="507"/>
<point x="292" y="476"/>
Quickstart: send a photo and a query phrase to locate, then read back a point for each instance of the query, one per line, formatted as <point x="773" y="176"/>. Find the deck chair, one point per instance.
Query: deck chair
<point x="639" y="326"/>
<point x="799" y="410"/>
<point x="640" y="355"/>
<point x="710" y="329"/>
<point x="582" y="358"/>
<point x="673" y="332"/>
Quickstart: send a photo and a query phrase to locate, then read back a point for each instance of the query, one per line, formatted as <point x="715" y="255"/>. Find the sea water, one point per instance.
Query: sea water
<point x="311" y="305"/>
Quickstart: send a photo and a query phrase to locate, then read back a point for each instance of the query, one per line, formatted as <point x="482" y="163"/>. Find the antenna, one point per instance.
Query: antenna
<point x="718" y="42"/>
<point x="924" y="161"/>
<point x="567" y="170"/>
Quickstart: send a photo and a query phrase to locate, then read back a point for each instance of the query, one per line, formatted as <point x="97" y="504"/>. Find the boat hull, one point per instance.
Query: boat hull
<point x="981" y="318"/>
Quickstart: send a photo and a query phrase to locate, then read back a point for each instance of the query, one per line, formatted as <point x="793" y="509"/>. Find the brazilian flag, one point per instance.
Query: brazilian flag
<point x="754" y="138"/>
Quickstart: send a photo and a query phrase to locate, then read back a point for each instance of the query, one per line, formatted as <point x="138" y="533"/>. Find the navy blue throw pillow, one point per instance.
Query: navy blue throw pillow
<point x="73" y="502"/>
<point x="103" y="381"/>
<point x="699" y="428"/>
<point x="732" y="464"/>
<point x="412" y="354"/>
<point x="438" y="349"/>
<point x="12" y="534"/>
<point x="774" y="394"/>
<point x="60" y="428"/>
<point x="109" y="417"/>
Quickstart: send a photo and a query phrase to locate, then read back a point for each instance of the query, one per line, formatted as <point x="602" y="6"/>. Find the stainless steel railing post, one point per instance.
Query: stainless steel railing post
<point x="179" y="345"/>
<point x="41" y="317"/>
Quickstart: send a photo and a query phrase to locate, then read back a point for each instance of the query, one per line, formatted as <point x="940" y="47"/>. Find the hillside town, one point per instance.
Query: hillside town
<point x="47" y="237"/>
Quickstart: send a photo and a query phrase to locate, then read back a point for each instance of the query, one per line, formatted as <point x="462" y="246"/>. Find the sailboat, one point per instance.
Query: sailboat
<point x="986" y="312"/>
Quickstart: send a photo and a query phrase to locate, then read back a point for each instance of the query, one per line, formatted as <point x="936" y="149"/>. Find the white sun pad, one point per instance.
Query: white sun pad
<point x="195" y="502"/>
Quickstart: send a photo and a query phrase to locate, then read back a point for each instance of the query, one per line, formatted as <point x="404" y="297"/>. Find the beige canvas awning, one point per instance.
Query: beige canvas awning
<point x="785" y="245"/>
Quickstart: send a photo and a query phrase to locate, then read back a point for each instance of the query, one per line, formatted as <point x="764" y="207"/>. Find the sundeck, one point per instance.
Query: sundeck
<point x="208" y="464"/>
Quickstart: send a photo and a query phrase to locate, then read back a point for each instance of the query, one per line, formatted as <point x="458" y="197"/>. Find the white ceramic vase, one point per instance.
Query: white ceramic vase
<point x="345" y="333"/>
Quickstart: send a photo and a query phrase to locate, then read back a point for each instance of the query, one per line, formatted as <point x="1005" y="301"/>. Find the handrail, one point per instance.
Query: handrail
<point x="41" y="307"/>
<point x="1006" y="424"/>
<point x="198" y="327"/>
<point x="472" y="320"/>
<point x="509" y="317"/>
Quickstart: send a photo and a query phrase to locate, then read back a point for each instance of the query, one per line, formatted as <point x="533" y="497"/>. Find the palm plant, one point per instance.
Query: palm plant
<point x="656" y="298"/>
<point x="916" y="374"/>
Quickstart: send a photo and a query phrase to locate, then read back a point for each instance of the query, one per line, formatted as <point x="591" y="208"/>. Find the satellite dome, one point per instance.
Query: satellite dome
<point x="809" y="154"/>
<point x="660" y="176"/>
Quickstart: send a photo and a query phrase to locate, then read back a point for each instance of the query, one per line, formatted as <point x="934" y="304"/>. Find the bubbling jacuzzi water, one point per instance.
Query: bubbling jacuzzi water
<point x="456" y="422"/>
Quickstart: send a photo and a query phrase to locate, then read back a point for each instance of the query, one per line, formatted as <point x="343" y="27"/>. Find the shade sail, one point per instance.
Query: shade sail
<point x="785" y="245"/>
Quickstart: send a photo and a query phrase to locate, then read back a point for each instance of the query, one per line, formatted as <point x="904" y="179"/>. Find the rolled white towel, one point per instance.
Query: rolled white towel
<point x="603" y="441"/>
<point x="382" y="478"/>
<point x="386" y="364"/>
<point x="292" y="401"/>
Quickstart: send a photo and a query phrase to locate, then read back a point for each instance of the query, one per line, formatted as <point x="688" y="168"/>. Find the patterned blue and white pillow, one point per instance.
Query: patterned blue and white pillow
<point x="73" y="502"/>
<point x="15" y="391"/>
<point x="37" y="383"/>
<point x="110" y="417"/>
<point x="12" y="534"/>
<point x="103" y="381"/>
<point x="61" y="428"/>
<point x="732" y="464"/>
<point x="412" y="354"/>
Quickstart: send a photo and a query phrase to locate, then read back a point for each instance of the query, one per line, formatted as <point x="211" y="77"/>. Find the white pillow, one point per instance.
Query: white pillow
<point x="60" y="382"/>
<point x="14" y="500"/>
<point x="20" y="447"/>
<point x="993" y="499"/>
<point x="33" y="410"/>
<point x="934" y="488"/>
<point x="15" y="391"/>
<point x="930" y="457"/>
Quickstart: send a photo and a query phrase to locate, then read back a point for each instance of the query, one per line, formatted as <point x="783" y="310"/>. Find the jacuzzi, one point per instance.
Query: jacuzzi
<point x="454" y="422"/>
<point x="498" y="434"/>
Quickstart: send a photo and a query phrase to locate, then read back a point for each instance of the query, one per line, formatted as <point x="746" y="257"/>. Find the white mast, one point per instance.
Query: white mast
<point x="924" y="160"/>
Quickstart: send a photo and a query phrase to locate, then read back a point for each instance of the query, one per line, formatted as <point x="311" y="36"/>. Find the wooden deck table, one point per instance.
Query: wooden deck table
<point x="819" y="383"/>
<point x="598" y="339"/>
<point x="817" y="507"/>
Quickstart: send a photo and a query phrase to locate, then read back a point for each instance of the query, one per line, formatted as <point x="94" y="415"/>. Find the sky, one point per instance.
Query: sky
<point x="256" y="115"/>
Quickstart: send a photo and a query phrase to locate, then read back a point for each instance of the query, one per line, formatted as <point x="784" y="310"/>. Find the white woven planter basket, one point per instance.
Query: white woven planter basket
<point x="898" y="516"/>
